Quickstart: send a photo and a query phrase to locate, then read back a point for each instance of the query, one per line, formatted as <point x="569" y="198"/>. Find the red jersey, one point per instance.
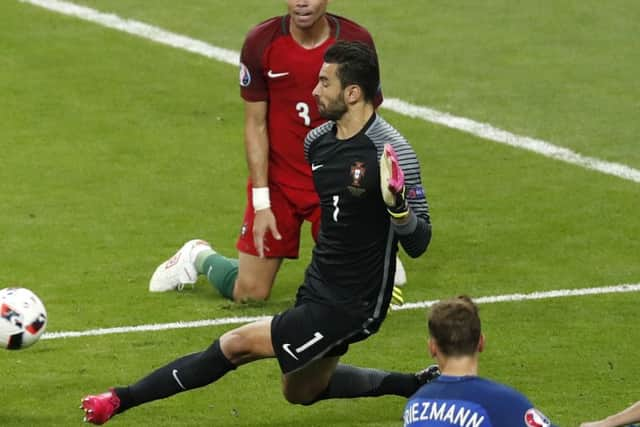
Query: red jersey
<point x="276" y="69"/>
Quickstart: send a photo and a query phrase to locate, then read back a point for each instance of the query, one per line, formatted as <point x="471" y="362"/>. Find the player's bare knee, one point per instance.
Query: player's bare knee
<point x="251" y="290"/>
<point x="236" y="347"/>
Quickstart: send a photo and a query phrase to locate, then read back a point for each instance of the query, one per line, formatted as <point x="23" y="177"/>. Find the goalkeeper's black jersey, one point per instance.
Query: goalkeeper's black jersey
<point x="353" y="262"/>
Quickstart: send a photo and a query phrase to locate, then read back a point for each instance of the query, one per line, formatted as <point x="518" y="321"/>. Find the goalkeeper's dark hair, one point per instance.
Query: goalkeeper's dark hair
<point x="357" y="65"/>
<point x="455" y="326"/>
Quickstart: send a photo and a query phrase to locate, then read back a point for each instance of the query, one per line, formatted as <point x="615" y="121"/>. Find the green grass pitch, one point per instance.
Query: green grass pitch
<point x="114" y="150"/>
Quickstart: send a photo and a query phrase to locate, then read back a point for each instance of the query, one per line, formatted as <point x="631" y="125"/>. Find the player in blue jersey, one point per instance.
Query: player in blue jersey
<point x="459" y="397"/>
<point x="629" y="415"/>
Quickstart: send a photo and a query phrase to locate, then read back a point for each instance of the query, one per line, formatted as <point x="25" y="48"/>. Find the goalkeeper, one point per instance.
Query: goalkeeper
<point x="366" y="209"/>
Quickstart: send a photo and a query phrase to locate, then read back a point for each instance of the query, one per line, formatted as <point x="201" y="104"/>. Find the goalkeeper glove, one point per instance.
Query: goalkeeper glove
<point x="392" y="184"/>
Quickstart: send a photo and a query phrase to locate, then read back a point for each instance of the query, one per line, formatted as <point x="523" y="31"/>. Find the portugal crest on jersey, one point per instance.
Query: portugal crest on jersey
<point x="358" y="171"/>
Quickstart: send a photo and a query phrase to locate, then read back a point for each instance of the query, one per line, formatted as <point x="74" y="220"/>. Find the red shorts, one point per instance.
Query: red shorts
<point x="291" y="207"/>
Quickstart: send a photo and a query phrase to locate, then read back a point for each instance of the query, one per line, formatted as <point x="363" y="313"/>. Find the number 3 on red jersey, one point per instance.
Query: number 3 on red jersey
<point x="303" y="111"/>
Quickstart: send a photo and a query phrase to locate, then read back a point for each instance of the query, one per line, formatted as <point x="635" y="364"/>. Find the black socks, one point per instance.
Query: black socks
<point x="189" y="372"/>
<point x="352" y="381"/>
<point x="200" y="369"/>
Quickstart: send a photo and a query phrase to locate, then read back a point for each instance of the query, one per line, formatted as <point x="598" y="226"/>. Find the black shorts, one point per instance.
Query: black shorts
<point x="311" y="331"/>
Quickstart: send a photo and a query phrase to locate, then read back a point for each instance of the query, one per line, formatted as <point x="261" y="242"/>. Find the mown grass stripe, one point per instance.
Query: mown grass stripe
<point x="482" y="130"/>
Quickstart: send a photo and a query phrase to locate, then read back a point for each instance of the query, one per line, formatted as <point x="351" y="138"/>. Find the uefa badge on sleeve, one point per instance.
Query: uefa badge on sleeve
<point x="245" y="76"/>
<point x="535" y="418"/>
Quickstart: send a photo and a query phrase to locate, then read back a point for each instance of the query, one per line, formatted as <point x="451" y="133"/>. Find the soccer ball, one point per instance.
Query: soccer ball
<point x="23" y="318"/>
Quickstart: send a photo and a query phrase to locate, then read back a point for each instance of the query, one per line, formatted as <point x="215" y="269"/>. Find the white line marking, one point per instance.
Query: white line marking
<point x="481" y="130"/>
<point x="139" y="29"/>
<point x="487" y="131"/>
<point x="562" y="293"/>
<point x="153" y="327"/>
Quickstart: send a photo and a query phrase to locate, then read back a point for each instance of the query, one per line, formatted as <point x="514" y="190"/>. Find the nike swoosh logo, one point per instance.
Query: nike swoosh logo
<point x="316" y="167"/>
<point x="286" y="348"/>
<point x="175" y="377"/>
<point x="273" y="75"/>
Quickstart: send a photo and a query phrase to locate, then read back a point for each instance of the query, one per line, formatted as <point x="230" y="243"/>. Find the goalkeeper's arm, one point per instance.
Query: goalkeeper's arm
<point x="414" y="235"/>
<point x="410" y="219"/>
